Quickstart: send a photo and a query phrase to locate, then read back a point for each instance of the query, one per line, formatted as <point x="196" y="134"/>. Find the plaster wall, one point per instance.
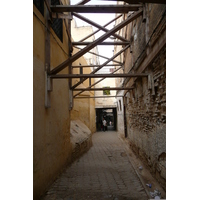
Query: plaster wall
<point x="51" y="127"/>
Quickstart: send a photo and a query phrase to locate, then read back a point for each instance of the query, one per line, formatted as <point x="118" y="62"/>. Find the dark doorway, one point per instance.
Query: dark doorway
<point x="110" y="115"/>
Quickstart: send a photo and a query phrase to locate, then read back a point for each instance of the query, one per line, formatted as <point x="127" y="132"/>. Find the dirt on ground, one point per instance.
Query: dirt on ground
<point x="144" y="173"/>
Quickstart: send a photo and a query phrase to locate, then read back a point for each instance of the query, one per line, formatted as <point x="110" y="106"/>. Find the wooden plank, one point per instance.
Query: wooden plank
<point x="142" y="1"/>
<point x="103" y="43"/>
<point x="87" y="97"/>
<point x="96" y="8"/>
<point x="96" y="42"/>
<point x="60" y="76"/>
<point x="48" y="82"/>
<point x="99" y="89"/>
<point x="83" y="2"/>
<point x="109" y="65"/>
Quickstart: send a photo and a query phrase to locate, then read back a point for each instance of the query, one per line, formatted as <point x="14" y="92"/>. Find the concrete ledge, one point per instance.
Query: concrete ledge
<point x="80" y="137"/>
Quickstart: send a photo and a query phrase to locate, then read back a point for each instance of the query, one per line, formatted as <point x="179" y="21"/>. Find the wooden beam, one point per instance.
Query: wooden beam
<point x="98" y="26"/>
<point x="99" y="89"/>
<point x="109" y="65"/>
<point x="83" y="2"/>
<point x="48" y="82"/>
<point x="142" y="1"/>
<point x="103" y="43"/>
<point x="60" y="76"/>
<point x="47" y="2"/>
<point x="96" y="42"/>
<point x="95" y="8"/>
<point x="106" y="96"/>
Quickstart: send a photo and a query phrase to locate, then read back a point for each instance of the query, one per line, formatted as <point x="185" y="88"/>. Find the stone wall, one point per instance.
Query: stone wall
<point x="146" y="119"/>
<point x="145" y="105"/>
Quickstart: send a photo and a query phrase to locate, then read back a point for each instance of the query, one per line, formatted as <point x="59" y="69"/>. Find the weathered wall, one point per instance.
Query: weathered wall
<point x="81" y="138"/>
<point x="145" y="107"/>
<point x="146" y="120"/>
<point x="51" y="127"/>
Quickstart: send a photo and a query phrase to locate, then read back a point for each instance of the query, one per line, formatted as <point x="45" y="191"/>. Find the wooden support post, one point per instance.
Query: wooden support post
<point x="71" y="100"/>
<point x="48" y="82"/>
<point x="144" y="14"/>
<point x="47" y="91"/>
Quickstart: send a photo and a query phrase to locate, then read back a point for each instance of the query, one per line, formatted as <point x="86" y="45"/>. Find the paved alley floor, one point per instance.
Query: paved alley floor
<point x="104" y="172"/>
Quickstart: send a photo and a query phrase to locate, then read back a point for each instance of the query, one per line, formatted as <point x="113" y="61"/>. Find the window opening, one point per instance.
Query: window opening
<point x="57" y="24"/>
<point x="39" y="4"/>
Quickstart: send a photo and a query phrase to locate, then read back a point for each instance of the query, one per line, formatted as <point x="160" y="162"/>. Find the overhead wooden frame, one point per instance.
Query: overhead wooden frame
<point x="103" y="43"/>
<point x="109" y="65"/>
<point x="96" y="8"/>
<point x="100" y="89"/>
<point x="95" y="97"/>
<point x="142" y="1"/>
<point x="85" y="76"/>
<point x="101" y="66"/>
<point x="101" y="29"/>
<point x="98" y="26"/>
<point x="96" y="82"/>
<point x="96" y="42"/>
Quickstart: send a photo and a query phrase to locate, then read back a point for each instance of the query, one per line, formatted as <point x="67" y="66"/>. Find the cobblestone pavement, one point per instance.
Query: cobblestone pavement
<point x="104" y="172"/>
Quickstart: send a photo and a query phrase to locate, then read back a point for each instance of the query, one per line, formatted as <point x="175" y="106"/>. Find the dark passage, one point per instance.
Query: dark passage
<point x="110" y="115"/>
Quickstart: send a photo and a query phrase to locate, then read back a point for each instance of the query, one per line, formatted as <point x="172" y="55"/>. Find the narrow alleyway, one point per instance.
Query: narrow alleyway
<point x="104" y="172"/>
